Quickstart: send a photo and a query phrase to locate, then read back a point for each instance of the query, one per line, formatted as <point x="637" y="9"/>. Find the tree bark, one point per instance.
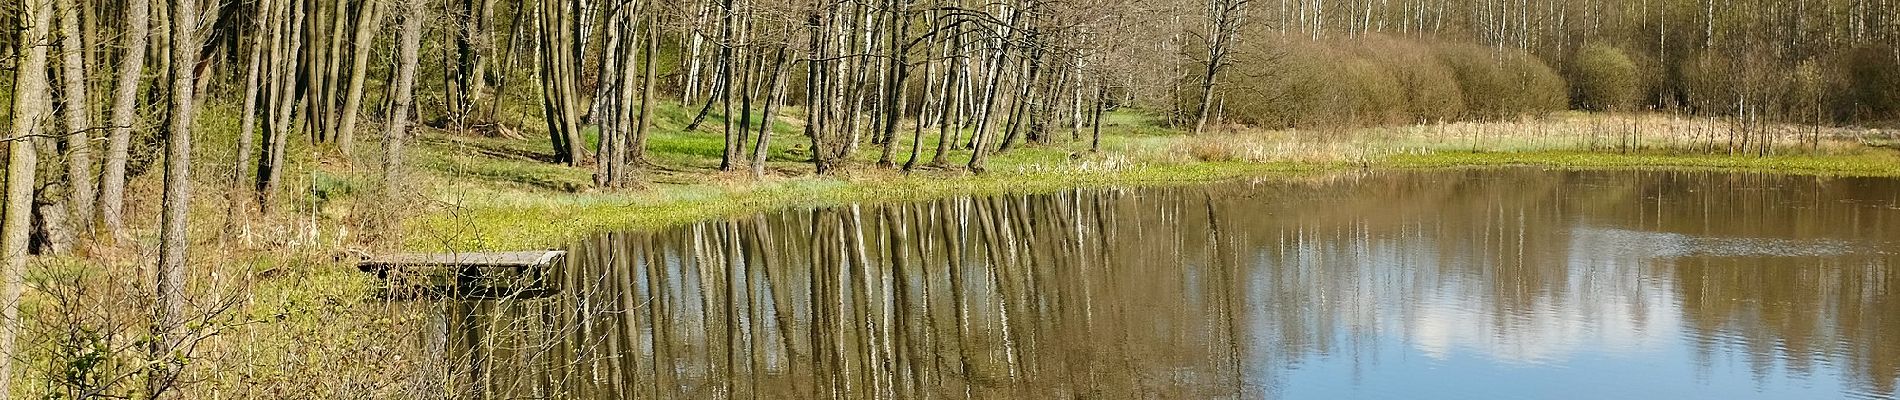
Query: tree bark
<point x="284" y="54"/>
<point x="408" y="50"/>
<point x="636" y="152"/>
<point x="772" y="99"/>
<point x="247" y="124"/>
<point x="169" y="327"/>
<point x="78" y="115"/>
<point x="30" y="98"/>
<point x="367" y="23"/>
<point x="124" y="116"/>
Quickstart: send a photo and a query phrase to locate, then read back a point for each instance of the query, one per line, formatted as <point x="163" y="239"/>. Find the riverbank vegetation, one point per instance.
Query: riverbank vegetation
<point x="182" y="175"/>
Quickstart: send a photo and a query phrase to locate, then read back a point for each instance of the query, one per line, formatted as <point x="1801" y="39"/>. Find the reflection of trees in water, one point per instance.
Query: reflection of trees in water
<point x="1190" y="292"/>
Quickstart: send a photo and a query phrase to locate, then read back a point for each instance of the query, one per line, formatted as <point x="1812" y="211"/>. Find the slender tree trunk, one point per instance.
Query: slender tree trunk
<point x="815" y="100"/>
<point x="283" y="104"/>
<point x="368" y="21"/>
<point x="731" y="151"/>
<point x="772" y="99"/>
<point x="1095" y="140"/>
<point x="636" y="153"/>
<point x="408" y="58"/>
<point x="31" y="96"/>
<point x="247" y="124"/>
<point x="983" y="123"/>
<point x="897" y="72"/>
<point x="917" y="131"/>
<point x="608" y="102"/>
<point x="947" y="124"/>
<point x="169" y="327"/>
<point x="124" y="116"/>
<point x="559" y="59"/>
<point x="78" y="115"/>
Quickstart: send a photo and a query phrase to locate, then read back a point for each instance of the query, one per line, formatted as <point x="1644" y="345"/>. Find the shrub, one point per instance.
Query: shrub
<point x="1603" y="78"/>
<point x="1429" y="86"/>
<point x="1379" y="80"/>
<point x="1501" y="83"/>
<point x="1539" y="89"/>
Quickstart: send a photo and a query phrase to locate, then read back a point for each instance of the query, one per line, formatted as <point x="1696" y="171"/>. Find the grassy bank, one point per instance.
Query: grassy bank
<point x="481" y="198"/>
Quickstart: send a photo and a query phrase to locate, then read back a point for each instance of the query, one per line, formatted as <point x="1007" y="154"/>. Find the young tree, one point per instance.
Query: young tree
<point x="168" y="328"/>
<point x="649" y="74"/>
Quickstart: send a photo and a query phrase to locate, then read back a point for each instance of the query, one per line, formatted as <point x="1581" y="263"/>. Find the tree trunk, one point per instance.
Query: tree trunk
<point x="30" y="97"/>
<point x="636" y="152"/>
<point x="559" y="66"/>
<point x="409" y="47"/>
<point x="283" y="105"/>
<point x="247" y="124"/>
<point x="983" y="123"/>
<point x="124" y="116"/>
<point x="1095" y="140"/>
<point x="78" y="115"/>
<point x="947" y="125"/>
<point x="731" y="151"/>
<point x="169" y="326"/>
<point x="917" y="131"/>
<point x="608" y="104"/>
<point x="772" y="99"/>
<point x="896" y="73"/>
<point x="367" y="23"/>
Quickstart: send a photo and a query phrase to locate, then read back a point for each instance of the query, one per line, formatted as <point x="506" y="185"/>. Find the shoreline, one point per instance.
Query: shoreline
<point x="526" y="223"/>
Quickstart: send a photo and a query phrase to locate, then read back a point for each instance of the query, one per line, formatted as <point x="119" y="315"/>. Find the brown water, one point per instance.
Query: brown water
<point x="1481" y="284"/>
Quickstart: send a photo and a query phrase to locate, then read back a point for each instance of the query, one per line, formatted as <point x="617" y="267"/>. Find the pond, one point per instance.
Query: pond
<point x="1502" y="283"/>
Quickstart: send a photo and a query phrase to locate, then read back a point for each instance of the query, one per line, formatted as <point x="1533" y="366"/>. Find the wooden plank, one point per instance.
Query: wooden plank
<point x="517" y="259"/>
<point x="521" y="274"/>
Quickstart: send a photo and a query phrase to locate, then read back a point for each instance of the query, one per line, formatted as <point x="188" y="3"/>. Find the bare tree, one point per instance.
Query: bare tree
<point x="1223" y="31"/>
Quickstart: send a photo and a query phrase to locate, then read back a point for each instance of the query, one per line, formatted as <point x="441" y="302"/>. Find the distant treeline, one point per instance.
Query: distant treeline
<point x="1312" y="62"/>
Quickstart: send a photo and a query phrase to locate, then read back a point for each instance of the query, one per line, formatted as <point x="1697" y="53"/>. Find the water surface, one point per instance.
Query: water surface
<point x="1465" y="284"/>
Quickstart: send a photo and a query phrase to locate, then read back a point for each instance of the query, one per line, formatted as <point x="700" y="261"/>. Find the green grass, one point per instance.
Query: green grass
<point x="485" y="195"/>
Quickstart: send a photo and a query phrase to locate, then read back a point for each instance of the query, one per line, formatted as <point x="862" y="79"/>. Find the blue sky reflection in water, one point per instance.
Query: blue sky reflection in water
<point x="1462" y="284"/>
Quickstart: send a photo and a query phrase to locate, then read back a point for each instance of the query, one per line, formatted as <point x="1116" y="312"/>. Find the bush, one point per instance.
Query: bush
<point x="1379" y="80"/>
<point x="1428" y="86"/>
<point x="1500" y="83"/>
<point x="1603" y="78"/>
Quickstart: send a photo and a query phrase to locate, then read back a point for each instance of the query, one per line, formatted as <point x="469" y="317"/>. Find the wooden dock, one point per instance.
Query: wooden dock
<point x="521" y="274"/>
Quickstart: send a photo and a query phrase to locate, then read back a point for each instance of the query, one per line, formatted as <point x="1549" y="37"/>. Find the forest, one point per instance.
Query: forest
<point x="150" y="144"/>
